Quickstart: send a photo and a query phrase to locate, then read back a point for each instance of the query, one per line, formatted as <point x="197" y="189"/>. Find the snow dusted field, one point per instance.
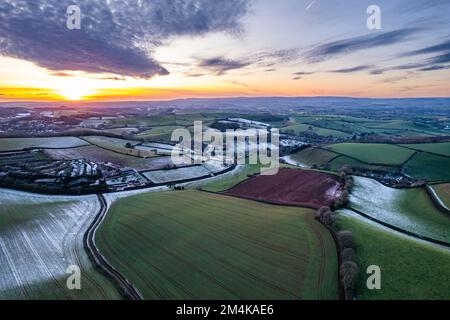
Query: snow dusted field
<point x="166" y="176"/>
<point x="40" y="237"/>
<point x="409" y="209"/>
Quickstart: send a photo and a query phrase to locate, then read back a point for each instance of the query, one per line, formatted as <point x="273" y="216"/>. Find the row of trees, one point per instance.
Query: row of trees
<point x="344" y="198"/>
<point x="348" y="269"/>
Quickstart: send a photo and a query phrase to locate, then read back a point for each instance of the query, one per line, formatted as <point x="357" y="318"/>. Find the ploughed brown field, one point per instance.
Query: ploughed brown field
<point x="291" y="187"/>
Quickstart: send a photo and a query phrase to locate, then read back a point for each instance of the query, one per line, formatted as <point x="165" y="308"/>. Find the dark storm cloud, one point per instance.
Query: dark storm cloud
<point x="115" y="37"/>
<point x="330" y="49"/>
<point x="220" y="65"/>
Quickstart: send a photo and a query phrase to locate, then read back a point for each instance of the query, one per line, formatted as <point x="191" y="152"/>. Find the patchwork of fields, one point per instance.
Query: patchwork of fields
<point x="197" y="245"/>
<point x="222" y="244"/>
<point x="338" y="126"/>
<point x="97" y="154"/>
<point x="40" y="237"/>
<point x="427" y="161"/>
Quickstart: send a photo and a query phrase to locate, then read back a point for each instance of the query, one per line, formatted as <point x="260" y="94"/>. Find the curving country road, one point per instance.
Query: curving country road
<point x="126" y="288"/>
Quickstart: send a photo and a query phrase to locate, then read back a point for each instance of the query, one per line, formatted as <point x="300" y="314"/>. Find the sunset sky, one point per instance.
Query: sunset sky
<point x="166" y="49"/>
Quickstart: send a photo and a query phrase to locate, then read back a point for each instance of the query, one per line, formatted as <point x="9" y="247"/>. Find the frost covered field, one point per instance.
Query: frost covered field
<point x="40" y="237"/>
<point x="165" y="176"/>
<point x="409" y="209"/>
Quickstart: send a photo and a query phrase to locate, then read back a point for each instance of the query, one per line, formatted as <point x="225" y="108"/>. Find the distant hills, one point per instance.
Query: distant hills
<point x="285" y="102"/>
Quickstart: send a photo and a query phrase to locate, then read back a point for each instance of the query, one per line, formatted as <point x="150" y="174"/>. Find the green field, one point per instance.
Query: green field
<point x="9" y="144"/>
<point x="402" y="128"/>
<point x="40" y="237"/>
<point x="442" y="148"/>
<point x="198" y="245"/>
<point x="429" y="167"/>
<point x="373" y="153"/>
<point x="119" y="146"/>
<point x="337" y="163"/>
<point x="162" y="132"/>
<point x="302" y="128"/>
<point x="339" y="125"/>
<point x="230" y="181"/>
<point x="162" y="120"/>
<point x="410" y="268"/>
<point x="313" y="156"/>
<point x="408" y="209"/>
<point x="443" y="192"/>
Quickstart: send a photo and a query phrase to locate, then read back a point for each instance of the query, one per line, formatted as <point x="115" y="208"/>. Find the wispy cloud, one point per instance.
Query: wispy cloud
<point x="434" y="68"/>
<point x="353" y="69"/>
<point x="220" y="65"/>
<point x="350" y="45"/>
<point x="444" y="46"/>
<point x="302" y="73"/>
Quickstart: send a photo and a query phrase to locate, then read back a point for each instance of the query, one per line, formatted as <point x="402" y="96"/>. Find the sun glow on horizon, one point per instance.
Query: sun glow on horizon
<point x="75" y="93"/>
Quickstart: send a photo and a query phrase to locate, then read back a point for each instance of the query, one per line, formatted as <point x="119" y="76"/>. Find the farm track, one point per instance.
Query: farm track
<point x="76" y="255"/>
<point x="89" y="242"/>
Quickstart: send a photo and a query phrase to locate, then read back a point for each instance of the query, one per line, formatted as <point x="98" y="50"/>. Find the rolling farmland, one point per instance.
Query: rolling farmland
<point x="410" y="268"/>
<point x="197" y="245"/>
<point x="40" y="237"/>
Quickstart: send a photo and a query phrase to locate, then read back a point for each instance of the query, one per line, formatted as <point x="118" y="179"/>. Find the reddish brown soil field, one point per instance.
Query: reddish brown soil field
<point x="291" y="187"/>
